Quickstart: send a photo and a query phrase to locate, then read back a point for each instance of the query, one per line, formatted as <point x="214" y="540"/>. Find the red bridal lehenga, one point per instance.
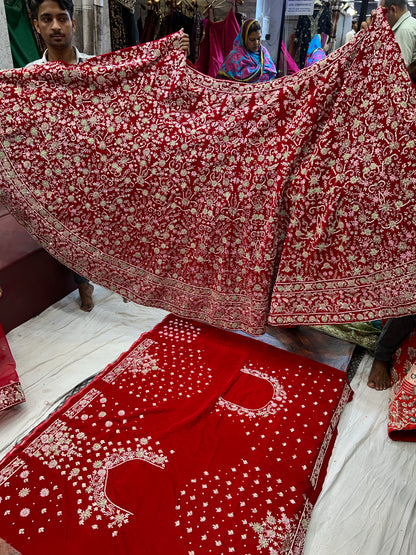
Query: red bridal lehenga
<point x="11" y="392"/>
<point x="288" y="202"/>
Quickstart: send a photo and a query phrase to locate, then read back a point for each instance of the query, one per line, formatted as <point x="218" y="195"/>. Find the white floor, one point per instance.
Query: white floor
<point x="368" y="502"/>
<point x="63" y="346"/>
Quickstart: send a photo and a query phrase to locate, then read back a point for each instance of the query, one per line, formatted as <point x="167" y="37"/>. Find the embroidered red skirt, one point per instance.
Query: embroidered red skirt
<point x="287" y="202"/>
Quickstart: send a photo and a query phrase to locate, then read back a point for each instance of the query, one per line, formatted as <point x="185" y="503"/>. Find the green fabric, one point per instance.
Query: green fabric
<point x="364" y="334"/>
<point x="22" y="41"/>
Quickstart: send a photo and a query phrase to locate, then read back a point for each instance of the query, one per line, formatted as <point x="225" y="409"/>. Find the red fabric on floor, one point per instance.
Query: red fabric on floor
<point x="195" y="440"/>
<point x="402" y="407"/>
<point x="290" y="201"/>
<point x="11" y="392"/>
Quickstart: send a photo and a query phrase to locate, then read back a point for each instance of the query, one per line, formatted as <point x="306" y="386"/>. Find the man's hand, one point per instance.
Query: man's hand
<point x="184" y="43"/>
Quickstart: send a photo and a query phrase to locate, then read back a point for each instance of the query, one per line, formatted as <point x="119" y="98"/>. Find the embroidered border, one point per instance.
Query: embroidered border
<point x="98" y="482"/>
<point x="346" y="394"/>
<point x="272" y="407"/>
<point x="10" y="469"/>
<point x="10" y="395"/>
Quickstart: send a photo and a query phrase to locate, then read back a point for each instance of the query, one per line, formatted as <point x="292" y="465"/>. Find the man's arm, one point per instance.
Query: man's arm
<point x="407" y="42"/>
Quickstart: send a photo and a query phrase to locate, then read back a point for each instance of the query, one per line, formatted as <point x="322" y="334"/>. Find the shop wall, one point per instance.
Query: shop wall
<point x="6" y="61"/>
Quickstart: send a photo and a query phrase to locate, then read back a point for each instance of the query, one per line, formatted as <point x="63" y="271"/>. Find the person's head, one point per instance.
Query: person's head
<point x="251" y="35"/>
<point x="354" y="25"/>
<point x="320" y="41"/>
<point x="395" y="10"/>
<point x="53" y="20"/>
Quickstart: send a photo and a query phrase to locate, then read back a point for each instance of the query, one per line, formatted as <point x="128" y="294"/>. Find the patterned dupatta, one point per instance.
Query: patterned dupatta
<point x="316" y="51"/>
<point x="245" y="66"/>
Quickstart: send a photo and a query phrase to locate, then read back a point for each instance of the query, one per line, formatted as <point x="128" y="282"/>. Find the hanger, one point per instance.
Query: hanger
<point x="213" y="4"/>
<point x="189" y="5"/>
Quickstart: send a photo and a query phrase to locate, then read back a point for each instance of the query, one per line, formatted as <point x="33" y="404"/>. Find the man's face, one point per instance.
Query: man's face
<point x="392" y="14"/>
<point x="54" y="25"/>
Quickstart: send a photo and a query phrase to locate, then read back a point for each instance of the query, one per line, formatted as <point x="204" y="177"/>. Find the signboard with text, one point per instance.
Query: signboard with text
<point x="299" y="7"/>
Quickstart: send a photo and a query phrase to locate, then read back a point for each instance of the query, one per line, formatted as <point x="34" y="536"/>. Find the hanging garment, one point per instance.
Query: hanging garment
<point x="335" y="7"/>
<point x="316" y="50"/>
<point x="308" y="26"/>
<point x="196" y="37"/>
<point x="217" y="43"/>
<point x="287" y="65"/>
<point x="151" y="24"/>
<point x="22" y="41"/>
<point x="175" y="21"/>
<point x="290" y="201"/>
<point x="40" y="43"/>
<point x="89" y="33"/>
<point x="123" y="25"/>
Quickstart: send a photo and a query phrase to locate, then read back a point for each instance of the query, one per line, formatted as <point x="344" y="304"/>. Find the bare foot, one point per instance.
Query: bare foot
<point x="85" y="292"/>
<point x="379" y="377"/>
<point x="6" y="549"/>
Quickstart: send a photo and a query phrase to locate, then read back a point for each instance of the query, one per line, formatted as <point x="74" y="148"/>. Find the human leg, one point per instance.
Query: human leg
<point x="394" y="332"/>
<point x="85" y="289"/>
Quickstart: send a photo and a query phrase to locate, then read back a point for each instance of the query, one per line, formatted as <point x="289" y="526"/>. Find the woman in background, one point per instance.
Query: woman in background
<point x="248" y="61"/>
<point x="317" y="49"/>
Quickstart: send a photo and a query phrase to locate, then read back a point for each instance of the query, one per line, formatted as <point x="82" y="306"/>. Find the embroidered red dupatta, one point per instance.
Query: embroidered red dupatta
<point x="195" y="440"/>
<point x="11" y="392"/>
<point x="288" y="202"/>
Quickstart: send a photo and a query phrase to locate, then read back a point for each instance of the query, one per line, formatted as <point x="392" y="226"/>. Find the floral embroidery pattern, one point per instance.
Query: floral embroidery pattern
<point x="116" y="515"/>
<point x="288" y="202"/>
<point x="11" y="394"/>
<point x="402" y="406"/>
<point x="149" y="437"/>
<point x="275" y="404"/>
<point x="10" y="469"/>
<point x="143" y="364"/>
<point x="274" y="533"/>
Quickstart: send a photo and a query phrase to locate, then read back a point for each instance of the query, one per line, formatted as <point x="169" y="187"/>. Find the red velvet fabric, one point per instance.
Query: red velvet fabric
<point x="11" y="392"/>
<point x="402" y="407"/>
<point x="290" y="202"/>
<point x="196" y="440"/>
